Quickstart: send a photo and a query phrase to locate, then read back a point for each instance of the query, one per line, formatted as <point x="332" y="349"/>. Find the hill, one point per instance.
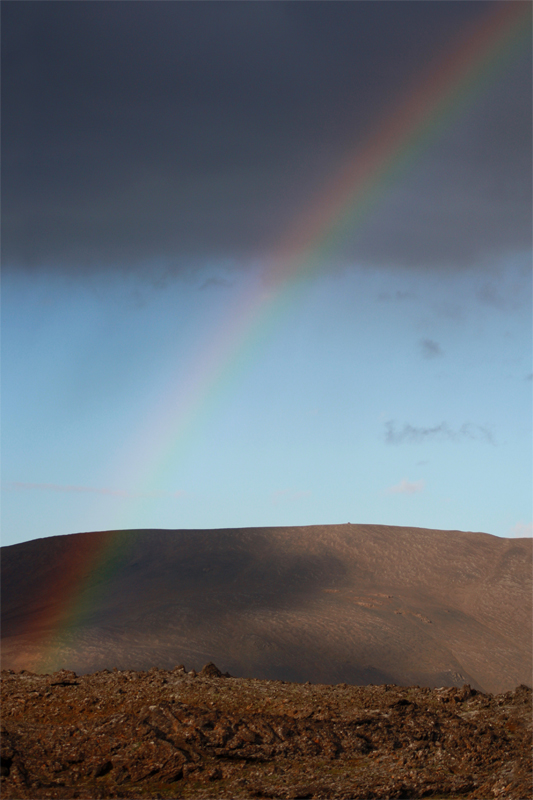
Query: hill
<point x="333" y="604"/>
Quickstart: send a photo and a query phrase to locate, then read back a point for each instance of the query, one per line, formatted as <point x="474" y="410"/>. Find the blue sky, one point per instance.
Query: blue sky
<point x="379" y="397"/>
<point x="155" y="157"/>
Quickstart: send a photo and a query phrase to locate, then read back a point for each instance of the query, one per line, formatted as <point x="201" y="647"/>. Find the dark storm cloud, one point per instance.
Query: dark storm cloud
<point x="441" y="432"/>
<point x="174" y="132"/>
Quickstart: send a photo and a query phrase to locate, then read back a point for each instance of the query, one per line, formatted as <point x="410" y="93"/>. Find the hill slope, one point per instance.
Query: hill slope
<point x="335" y="603"/>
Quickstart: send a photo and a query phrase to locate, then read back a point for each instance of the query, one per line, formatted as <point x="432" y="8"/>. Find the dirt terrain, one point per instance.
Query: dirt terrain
<point x="173" y="734"/>
<point x="357" y="604"/>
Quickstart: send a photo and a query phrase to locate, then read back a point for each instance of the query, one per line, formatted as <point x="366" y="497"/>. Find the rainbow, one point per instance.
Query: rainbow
<point x="390" y="148"/>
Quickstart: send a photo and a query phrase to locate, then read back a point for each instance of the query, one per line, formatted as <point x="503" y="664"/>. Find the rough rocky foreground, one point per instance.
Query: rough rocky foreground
<point x="173" y="734"/>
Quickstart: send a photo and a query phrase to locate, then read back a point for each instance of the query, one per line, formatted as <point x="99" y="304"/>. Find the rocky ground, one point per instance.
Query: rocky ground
<point x="173" y="734"/>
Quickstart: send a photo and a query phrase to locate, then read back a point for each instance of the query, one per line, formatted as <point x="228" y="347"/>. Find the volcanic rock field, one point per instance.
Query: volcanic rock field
<point x="354" y="661"/>
<point x="173" y="734"/>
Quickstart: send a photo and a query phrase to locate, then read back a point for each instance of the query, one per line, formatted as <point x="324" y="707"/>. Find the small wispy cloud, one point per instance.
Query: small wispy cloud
<point x="288" y="495"/>
<point x="489" y="295"/>
<point x="18" y="486"/>
<point x="441" y="432"/>
<point x="522" y="530"/>
<point x="406" y="487"/>
<point x="397" y="295"/>
<point x="216" y="283"/>
<point x="431" y="349"/>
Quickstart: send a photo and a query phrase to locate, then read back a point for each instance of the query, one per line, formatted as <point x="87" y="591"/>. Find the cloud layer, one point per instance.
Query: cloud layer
<point x="168" y="133"/>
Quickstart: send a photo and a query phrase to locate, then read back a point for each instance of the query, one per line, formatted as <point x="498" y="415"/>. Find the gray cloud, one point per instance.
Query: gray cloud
<point x="410" y="434"/>
<point x="144" y="133"/>
<point x="431" y="349"/>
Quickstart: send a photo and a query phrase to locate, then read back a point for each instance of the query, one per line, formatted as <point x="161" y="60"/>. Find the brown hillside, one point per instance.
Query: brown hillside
<point x="336" y="603"/>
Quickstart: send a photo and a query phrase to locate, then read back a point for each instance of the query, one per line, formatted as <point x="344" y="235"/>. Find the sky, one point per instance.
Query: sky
<point x="266" y="263"/>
